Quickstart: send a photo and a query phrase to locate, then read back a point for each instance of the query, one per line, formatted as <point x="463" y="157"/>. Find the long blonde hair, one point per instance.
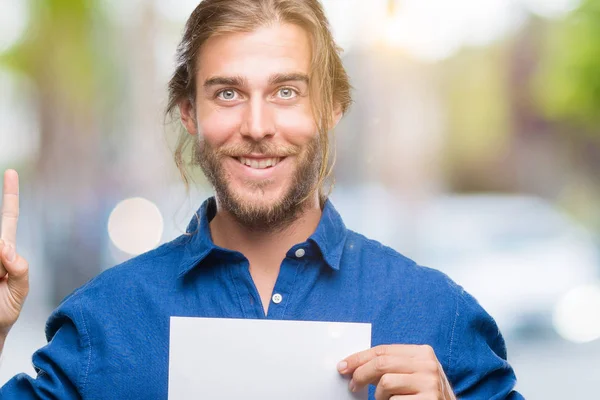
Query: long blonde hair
<point x="330" y="87"/>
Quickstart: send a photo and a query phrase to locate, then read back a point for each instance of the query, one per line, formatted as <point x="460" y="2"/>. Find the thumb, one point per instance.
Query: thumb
<point x="2" y="269"/>
<point x="17" y="269"/>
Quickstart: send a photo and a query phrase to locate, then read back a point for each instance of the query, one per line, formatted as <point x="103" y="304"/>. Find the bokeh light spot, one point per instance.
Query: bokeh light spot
<point x="13" y="22"/>
<point x="577" y="314"/>
<point x="135" y="226"/>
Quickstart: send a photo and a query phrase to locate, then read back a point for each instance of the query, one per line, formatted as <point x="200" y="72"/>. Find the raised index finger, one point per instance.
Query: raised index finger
<point x="10" y="207"/>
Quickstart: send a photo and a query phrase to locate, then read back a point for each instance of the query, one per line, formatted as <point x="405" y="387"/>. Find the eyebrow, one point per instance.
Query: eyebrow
<point x="241" y="81"/>
<point x="282" y="78"/>
<point x="225" y="81"/>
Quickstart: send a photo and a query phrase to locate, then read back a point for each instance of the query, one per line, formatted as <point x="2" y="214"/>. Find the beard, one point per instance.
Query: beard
<point x="255" y="215"/>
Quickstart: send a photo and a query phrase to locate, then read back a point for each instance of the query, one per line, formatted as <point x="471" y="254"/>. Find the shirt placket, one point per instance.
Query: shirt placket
<point x="286" y="281"/>
<point x="248" y="297"/>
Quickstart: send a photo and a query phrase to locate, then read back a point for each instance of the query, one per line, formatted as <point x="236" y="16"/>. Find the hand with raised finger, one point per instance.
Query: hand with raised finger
<point x="14" y="269"/>
<point x="399" y="372"/>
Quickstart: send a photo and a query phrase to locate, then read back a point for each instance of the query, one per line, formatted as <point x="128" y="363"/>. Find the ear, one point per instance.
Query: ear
<point x="188" y="116"/>
<point x="337" y="115"/>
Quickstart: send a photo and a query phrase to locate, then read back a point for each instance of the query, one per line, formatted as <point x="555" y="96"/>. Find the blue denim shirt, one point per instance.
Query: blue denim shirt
<point x="110" y="338"/>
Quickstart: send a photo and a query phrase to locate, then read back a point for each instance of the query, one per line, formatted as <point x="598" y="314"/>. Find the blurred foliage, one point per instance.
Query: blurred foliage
<point x="478" y="115"/>
<point x="68" y="54"/>
<point x="61" y="50"/>
<point x="476" y="92"/>
<point x="567" y="85"/>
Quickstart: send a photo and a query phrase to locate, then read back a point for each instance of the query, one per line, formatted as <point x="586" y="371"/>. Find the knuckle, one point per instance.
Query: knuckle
<point x="19" y="268"/>
<point x="382" y="350"/>
<point x="352" y="360"/>
<point x="381" y="364"/>
<point x="431" y="366"/>
<point x="22" y="268"/>
<point x="428" y="351"/>
<point x="386" y="383"/>
<point x="432" y="385"/>
<point x="10" y="214"/>
<point x="355" y="361"/>
<point x="358" y="377"/>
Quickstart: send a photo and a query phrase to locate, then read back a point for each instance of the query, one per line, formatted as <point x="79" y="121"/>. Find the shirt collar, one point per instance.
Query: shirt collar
<point x="329" y="237"/>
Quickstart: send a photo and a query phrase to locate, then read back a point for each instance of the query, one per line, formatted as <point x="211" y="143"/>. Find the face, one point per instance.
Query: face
<point x="257" y="139"/>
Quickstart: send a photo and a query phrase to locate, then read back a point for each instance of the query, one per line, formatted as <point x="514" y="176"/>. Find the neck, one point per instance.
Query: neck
<point x="264" y="248"/>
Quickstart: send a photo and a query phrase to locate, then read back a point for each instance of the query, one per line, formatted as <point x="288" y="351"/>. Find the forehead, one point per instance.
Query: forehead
<point x="256" y="55"/>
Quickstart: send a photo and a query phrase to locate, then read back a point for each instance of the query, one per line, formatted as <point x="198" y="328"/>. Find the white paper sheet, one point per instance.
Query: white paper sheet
<point x="233" y="359"/>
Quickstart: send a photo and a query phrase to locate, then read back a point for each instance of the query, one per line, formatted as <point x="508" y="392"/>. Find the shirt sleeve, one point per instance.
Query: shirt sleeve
<point x="478" y="366"/>
<point x="62" y="365"/>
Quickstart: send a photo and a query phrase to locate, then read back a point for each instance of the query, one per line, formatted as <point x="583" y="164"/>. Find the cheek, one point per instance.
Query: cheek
<point x="217" y="126"/>
<point x="297" y="127"/>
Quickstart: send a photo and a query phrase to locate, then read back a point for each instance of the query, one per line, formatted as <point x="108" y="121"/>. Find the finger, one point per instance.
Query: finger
<point x="427" y="386"/>
<point x="10" y="207"/>
<point x="350" y="363"/>
<point x="18" y="272"/>
<point x="446" y="387"/>
<point x="2" y="269"/>
<point x="16" y="266"/>
<point x="372" y="371"/>
<point x="396" y="384"/>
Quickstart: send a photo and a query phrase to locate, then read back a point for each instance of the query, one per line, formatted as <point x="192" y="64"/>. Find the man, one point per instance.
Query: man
<point x="258" y="85"/>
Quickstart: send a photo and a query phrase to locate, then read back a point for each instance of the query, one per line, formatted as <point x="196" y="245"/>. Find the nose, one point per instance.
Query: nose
<point x="259" y="121"/>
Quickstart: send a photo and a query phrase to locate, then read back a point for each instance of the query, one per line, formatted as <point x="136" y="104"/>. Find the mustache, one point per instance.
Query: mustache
<point x="263" y="149"/>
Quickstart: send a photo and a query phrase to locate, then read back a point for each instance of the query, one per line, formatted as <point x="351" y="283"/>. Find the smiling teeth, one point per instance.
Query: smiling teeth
<point x="259" y="164"/>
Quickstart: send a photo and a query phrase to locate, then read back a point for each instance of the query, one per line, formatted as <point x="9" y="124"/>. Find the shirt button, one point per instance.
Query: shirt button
<point x="300" y="253"/>
<point x="277" y="298"/>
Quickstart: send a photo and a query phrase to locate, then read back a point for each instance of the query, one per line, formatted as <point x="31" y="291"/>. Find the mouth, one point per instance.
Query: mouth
<point x="260" y="163"/>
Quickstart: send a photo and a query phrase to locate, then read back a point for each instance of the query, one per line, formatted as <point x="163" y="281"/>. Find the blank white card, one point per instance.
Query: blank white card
<point x="233" y="359"/>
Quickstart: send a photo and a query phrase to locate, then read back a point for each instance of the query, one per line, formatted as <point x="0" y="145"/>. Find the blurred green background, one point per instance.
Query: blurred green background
<point x="473" y="146"/>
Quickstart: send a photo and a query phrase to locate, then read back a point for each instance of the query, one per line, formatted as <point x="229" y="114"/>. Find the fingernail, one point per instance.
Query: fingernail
<point x="352" y="385"/>
<point x="10" y="253"/>
<point x="342" y="365"/>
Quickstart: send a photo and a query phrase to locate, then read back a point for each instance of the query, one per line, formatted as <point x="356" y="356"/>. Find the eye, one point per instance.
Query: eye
<point x="227" y="94"/>
<point x="287" y="93"/>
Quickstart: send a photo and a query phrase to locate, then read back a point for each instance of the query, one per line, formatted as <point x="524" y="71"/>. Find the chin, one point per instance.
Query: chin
<point x="267" y="208"/>
<point x="260" y="198"/>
